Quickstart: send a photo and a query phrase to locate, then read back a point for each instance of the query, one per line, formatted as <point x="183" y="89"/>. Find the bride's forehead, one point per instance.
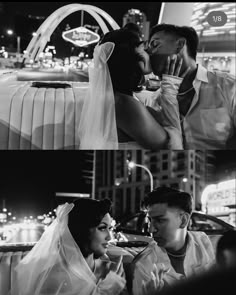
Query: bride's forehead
<point x="107" y="218"/>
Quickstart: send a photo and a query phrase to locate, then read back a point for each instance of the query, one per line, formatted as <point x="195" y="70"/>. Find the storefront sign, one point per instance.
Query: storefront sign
<point x="219" y="195"/>
<point x="81" y="36"/>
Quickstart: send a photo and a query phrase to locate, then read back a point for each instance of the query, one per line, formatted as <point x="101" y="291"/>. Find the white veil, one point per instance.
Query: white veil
<point x="56" y="266"/>
<point x="97" y="126"/>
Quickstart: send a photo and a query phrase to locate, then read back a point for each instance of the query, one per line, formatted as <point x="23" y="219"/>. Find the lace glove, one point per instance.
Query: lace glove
<point x="170" y="110"/>
<point x="113" y="284"/>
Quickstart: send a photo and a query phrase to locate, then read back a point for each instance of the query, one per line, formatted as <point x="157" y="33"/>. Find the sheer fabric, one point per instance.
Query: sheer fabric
<point x="97" y="127"/>
<point x="56" y="266"/>
<point x="170" y="110"/>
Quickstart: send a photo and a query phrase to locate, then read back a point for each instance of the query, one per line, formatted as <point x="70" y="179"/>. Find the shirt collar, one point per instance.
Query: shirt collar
<point x="201" y="74"/>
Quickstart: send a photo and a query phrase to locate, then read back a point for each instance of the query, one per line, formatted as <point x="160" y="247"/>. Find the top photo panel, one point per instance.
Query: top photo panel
<point x="117" y="76"/>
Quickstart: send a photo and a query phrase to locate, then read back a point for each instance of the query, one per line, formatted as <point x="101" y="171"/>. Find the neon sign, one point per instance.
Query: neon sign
<point x="81" y="36"/>
<point x="219" y="195"/>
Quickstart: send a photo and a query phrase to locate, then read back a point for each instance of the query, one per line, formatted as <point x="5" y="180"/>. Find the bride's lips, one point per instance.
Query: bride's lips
<point x="105" y="245"/>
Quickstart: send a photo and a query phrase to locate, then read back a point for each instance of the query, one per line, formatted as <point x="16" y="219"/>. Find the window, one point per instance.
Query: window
<point x="153" y="159"/>
<point x="164" y="166"/>
<point x="137" y="199"/>
<point x="180" y="155"/>
<point x="191" y="165"/>
<point x="110" y="195"/>
<point x="138" y="174"/>
<point x="153" y="168"/>
<point x="202" y="223"/>
<point x="164" y="156"/>
<point x="128" y="200"/>
<point x="180" y="175"/>
<point x="131" y="224"/>
<point x="164" y="177"/>
<point x="119" y="203"/>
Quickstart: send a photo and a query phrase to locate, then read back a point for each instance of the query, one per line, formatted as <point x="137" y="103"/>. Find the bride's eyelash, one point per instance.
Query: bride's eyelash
<point x="102" y="227"/>
<point x="105" y="227"/>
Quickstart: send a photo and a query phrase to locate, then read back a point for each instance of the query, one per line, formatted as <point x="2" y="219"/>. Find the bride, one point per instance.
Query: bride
<point x="71" y="256"/>
<point x="112" y="117"/>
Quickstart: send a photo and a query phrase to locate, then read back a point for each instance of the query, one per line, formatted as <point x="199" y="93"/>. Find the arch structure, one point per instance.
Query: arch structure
<point x="43" y="34"/>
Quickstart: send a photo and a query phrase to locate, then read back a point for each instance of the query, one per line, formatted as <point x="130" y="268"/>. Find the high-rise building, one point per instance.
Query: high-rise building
<point x="139" y="18"/>
<point x="187" y="170"/>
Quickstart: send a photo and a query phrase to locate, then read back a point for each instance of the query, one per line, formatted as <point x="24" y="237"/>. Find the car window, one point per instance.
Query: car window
<point x="202" y="223"/>
<point x="131" y="224"/>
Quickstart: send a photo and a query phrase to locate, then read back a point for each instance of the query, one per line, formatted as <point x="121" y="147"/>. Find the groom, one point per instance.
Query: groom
<point x="175" y="252"/>
<point x="207" y="100"/>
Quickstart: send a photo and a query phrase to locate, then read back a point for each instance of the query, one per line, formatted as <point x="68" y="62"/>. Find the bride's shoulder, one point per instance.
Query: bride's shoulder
<point x="122" y="97"/>
<point x="126" y="100"/>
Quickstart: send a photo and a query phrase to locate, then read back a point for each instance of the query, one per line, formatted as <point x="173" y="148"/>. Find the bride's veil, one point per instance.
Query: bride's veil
<point x="97" y="126"/>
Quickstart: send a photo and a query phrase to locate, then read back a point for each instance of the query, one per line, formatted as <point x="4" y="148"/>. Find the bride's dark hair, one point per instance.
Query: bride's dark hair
<point x="123" y="63"/>
<point x="86" y="214"/>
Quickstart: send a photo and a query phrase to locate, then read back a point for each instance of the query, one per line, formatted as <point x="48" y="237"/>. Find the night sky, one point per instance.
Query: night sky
<point x="29" y="180"/>
<point x="115" y="9"/>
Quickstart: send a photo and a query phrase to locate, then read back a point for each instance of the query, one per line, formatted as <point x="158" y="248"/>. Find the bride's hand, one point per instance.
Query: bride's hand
<point x="117" y="266"/>
<point x="173" y="66"/>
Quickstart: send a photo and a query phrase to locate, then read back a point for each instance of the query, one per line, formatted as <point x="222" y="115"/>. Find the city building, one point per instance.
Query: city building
<point x="139" y="18"/>
<point x="217" y="42"/>
<point x="187" y="170"/>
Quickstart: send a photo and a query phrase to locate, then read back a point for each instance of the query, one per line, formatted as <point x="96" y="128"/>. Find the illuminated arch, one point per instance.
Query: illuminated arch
<point x="43" y="34"/>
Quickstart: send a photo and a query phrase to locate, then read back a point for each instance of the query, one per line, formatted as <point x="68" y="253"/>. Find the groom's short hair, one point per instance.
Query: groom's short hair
<point x="172" y="197"/>
<point x="189" y="33"/>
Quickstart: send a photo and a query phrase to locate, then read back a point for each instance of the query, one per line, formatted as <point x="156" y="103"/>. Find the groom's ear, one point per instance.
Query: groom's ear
<point x="184" y="219"/>
<point x="180" y="44"/>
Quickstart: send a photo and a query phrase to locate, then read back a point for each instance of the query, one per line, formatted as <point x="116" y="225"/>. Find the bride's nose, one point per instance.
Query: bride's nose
<point x="109" y="235"/>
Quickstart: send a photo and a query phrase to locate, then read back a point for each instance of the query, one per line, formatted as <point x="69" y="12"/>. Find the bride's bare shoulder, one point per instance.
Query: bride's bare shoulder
<point x="122" y="99"/>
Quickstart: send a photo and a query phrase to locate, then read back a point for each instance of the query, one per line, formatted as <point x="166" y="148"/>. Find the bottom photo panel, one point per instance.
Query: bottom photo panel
<point x="107" y="222"/>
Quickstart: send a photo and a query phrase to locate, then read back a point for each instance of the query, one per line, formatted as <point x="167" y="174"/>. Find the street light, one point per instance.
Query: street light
<point x="10" y="33"/>
<point x="132" y="165"/>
